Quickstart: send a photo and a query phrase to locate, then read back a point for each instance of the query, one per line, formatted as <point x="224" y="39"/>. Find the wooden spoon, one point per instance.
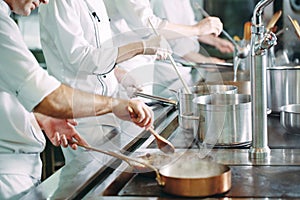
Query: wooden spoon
<point x="247" y="31"/>
<point x="163" y="144"/>
<point x="274" y="20"/>
<point x="295" y="25"/>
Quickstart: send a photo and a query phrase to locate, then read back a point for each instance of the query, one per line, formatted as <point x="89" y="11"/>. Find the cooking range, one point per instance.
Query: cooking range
<point x="97" y="176"/>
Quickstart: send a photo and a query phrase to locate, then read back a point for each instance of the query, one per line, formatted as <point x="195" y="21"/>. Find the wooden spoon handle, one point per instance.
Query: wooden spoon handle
<point x="274" y="19"/>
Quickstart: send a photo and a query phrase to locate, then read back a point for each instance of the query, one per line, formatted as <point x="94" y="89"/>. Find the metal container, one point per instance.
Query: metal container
<point x="224" y="119"/>
<point x="186" y="113"/>
<point x="290" y="118"/>
<point x="186" y="174"/>
<point x="283" y="86"/>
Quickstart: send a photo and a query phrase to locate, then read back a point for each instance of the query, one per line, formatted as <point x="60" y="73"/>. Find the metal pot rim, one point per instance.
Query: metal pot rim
<point x="284" y="67"/>
<point x="290" y="108"/>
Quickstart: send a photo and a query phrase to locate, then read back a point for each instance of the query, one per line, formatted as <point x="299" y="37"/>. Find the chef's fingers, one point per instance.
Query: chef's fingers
<point x="144" y="118"/>
<point x="64" y="141"/>
<point x="56" y="140"/>
<point x="72" y="122"/>
<point x="148" y="120"/>
<point x="78" y="140"/>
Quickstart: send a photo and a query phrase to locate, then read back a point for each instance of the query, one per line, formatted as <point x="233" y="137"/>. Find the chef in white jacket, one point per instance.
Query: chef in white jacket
<point x="181" y="12"/>
<point x="78" y="49"/>
<point x="130" y="21"/>
<point x="26" y="87"/>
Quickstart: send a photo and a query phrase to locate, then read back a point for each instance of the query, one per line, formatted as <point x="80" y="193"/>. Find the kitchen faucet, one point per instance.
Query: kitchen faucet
<point x="261" y="41"/>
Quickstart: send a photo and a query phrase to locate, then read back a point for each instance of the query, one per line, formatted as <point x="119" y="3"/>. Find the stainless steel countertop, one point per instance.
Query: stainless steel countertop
<point x="88" y="176"/>
<point x="94" y="176"/>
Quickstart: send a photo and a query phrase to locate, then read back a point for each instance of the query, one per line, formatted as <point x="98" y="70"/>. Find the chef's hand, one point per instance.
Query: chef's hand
<point x="127" y="81"/>
<point x="157" y="45"/>
<point x="224" y="46"/>
<point x="133" y="110"/>
<point x="61" y="132"/>
<point x="209" y="25"/>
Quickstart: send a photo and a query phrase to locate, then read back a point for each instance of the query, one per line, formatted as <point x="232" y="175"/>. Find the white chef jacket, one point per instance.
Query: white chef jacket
<point x="23" y="84"/>
<point x="129" y="20"/>
<point x="77" y="44"/>
<point x="178" y="12"/>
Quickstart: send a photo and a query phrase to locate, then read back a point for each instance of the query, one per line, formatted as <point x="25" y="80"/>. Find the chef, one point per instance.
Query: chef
<point x="78" y="49"/>
<point x="181" y="12"/>
<point x="130" y="20"/>
<point x="26" y="87"/>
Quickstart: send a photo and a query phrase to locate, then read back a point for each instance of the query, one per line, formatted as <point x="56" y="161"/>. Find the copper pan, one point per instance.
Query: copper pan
<point x="186" y="174"/>
<point x="183" y="175"/>
<point x="195" y="178"/>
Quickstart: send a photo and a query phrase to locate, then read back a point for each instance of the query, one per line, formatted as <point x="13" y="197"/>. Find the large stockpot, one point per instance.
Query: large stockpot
<point x="224" y="119"/>
<point x="283" y="86"/>
<point x="186" y="112"/>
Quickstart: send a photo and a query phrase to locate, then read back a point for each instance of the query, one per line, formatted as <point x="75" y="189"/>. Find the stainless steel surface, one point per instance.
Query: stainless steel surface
<point x="225" y="119"/>
<point x="226" y="78"/>
<point x="97" y="176"/>
<point x="283" y="86"/>
<point x="290" y="118"/>
<point x="259" y="148"/>
<point x="186" y="110"/>
<point x="94" y="176"/>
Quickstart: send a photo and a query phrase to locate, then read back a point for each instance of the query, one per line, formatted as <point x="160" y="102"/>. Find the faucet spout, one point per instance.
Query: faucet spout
<point x="259" y="8"/>
<point x="260" y="42"/>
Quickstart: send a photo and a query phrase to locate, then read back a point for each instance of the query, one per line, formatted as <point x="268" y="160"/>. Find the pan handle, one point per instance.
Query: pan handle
<point x="161" y="99"/>
<point x="131" y="161"/>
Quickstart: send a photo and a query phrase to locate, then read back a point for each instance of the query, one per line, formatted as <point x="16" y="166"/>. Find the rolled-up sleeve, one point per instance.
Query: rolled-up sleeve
<point x="21" y="74"/>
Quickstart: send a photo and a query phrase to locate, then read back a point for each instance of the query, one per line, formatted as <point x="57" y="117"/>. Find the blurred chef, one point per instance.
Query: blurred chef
<point x="130" y="21"/>
<point x="78" y="49"/>
<point x="181" y="12"/>
<point x="26" y="87"/>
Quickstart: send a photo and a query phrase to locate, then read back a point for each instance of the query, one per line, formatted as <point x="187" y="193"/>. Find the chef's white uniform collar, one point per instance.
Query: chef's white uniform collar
<point x="4" y="7"/>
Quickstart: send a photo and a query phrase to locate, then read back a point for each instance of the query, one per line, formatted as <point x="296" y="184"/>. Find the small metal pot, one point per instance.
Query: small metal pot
<point x="290" y="118"/>
<point x="225" y="119"/>
<point x="186" y="112"/>
<point x="283" y="86"/>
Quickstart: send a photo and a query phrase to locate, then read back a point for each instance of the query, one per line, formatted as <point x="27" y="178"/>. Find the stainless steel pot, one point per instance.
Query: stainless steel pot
<point x="283" y="86"/>
<point x="225" y="119"/>
<point x="186" y="112"/>
<point x="290" y="118"/>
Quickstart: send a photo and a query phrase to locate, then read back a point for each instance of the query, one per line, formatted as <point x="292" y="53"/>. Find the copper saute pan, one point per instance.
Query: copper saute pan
<point x="181" y="174"/>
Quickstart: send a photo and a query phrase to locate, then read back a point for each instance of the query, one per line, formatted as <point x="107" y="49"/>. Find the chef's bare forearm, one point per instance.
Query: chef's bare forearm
<point x="66" y="102"/>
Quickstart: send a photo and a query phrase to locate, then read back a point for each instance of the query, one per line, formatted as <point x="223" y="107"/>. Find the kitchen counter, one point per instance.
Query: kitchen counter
<point x="93" y="175"/>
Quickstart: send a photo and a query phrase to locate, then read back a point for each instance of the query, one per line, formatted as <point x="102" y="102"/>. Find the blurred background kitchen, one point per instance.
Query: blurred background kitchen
<point x="233" y="13"/>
